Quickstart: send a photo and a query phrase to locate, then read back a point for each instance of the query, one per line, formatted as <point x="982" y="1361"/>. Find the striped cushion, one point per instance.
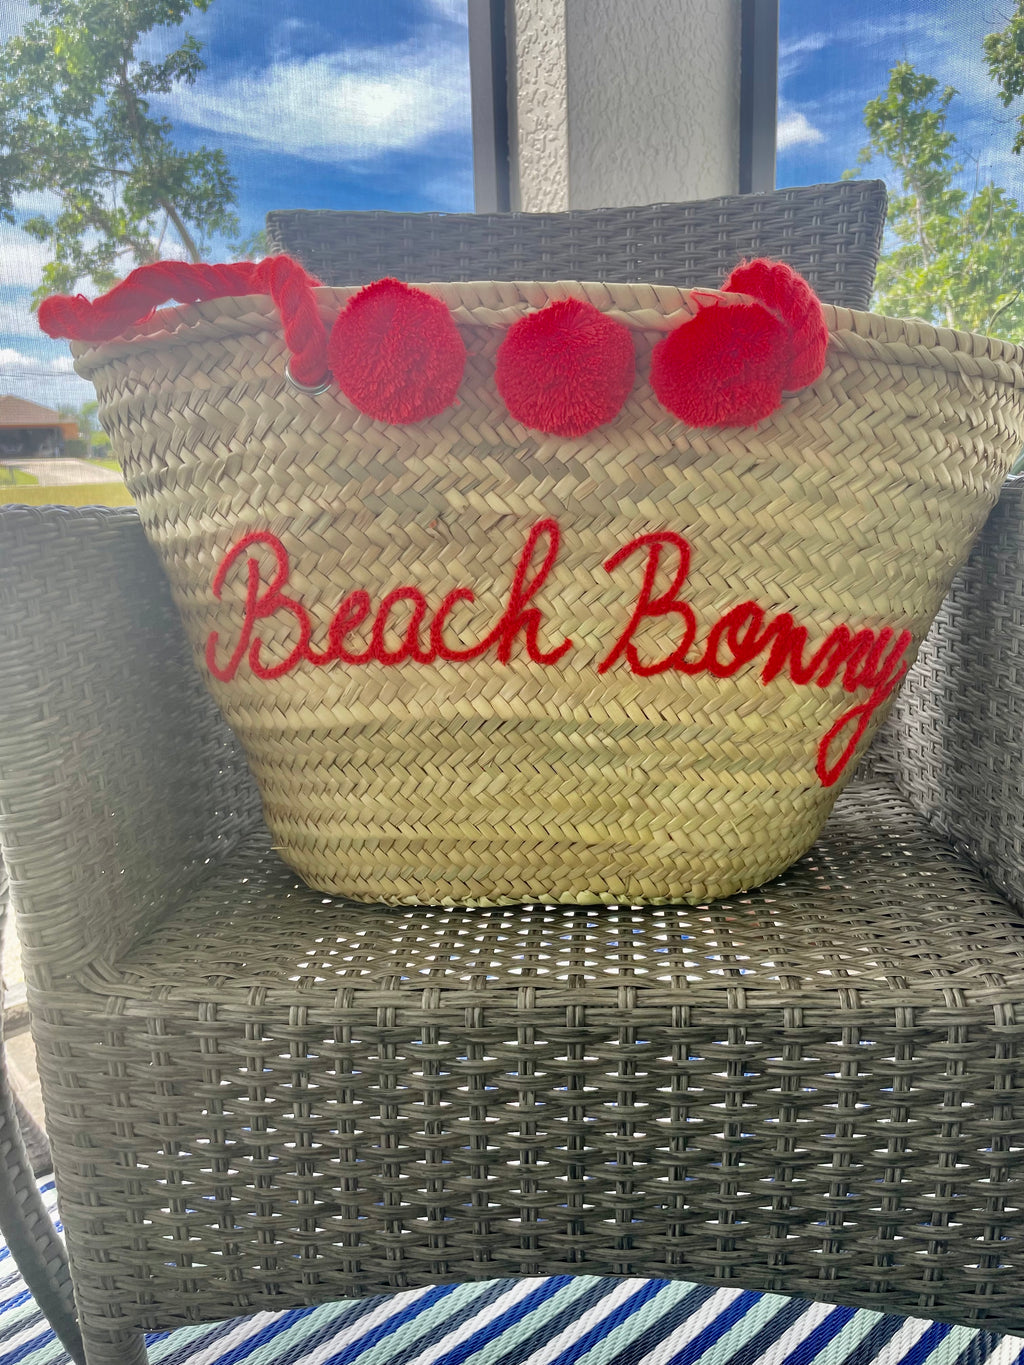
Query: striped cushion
<point x="560" y="1321"/>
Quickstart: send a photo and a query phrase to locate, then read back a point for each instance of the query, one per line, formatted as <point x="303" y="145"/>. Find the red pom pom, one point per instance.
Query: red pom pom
<point x="565" y="369"/>
<point x="792" y="299"/>
<point x="396" y="353"/>
<point x="723" y="367"/>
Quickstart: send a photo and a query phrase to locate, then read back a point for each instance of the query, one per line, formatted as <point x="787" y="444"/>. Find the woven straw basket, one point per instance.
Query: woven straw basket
<point x="558" y="774"/>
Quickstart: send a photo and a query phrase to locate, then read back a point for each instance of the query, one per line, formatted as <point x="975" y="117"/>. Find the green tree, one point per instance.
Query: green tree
<point x="957" y="258"/>
<point x="87" y="420"/>
<point x="75" y="119"/>
<point x="71" y="414"/>
<point x="89" y="423"/>
<point x="252" y="247"/>
<point x="1004" y="53"/>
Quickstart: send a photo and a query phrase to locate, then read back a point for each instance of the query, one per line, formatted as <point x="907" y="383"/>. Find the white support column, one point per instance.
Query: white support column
<point x="538" y="105"/>
<point x="618" y="102"/>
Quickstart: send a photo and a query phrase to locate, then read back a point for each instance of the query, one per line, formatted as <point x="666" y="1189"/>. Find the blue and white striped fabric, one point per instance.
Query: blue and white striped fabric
<point x="560" y="1321"/>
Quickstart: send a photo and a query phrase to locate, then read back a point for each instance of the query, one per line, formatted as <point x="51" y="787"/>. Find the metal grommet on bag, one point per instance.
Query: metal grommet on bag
<point x="321" y="387"/>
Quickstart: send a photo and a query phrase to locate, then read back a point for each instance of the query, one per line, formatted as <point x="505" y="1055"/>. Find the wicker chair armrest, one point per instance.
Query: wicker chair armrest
<point x="119" y="782"/>
<point x="954" y="743"/>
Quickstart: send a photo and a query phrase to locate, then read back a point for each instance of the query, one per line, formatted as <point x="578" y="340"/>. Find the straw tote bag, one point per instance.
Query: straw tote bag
<point x="557" y="592"/>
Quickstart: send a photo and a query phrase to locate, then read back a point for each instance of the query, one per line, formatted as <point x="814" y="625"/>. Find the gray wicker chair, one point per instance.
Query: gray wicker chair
<point x="831" y="233"/>
<point x="258" y="1096"/>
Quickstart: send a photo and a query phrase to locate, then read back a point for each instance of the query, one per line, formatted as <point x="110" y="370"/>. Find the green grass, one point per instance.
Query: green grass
<point x="105" y="464"/>
<point x="14" y="478"/>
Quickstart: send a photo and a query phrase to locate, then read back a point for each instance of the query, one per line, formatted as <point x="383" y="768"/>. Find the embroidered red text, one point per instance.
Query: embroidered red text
<point x="866" y="659"/>
<point x="404" y="628"/>
<point x="423" y="637"/>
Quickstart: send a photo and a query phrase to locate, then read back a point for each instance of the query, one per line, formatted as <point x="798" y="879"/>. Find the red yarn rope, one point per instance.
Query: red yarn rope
<point x="135" y="299"/>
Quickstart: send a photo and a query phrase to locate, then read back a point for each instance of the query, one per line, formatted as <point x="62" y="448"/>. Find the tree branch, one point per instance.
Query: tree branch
<point x="188" y="241"/>
<point x="1002" y="309"/>
<point x="131" y="105"/>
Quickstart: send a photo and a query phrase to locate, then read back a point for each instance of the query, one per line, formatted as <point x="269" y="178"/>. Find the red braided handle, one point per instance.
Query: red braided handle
<point x="134" y="300"/>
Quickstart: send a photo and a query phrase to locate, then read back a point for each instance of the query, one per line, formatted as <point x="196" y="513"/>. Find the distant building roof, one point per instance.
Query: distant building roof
<point x="19" y="412"/>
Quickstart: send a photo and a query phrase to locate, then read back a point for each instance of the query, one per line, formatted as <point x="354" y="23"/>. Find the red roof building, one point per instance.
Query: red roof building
<point x="28" y="429"/>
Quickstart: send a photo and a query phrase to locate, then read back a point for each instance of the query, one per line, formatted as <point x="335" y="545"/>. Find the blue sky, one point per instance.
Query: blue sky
<point x="317" y="104"/>
<point x="365" y="104"/>
<point x="835" y="55"/>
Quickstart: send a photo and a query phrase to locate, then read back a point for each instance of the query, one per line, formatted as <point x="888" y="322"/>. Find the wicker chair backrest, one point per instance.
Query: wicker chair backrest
<point x="831" y="234"/>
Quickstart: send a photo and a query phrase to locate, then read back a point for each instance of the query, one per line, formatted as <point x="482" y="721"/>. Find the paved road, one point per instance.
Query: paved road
<point x="64" y="471"/>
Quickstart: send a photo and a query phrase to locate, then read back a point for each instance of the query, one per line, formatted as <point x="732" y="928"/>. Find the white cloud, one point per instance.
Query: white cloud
<point x="16" y="317"/>
<point x="794" y="47"/>
<point x="919" y="31"/>
<point x="943" y="40"/>
<point x="21" y="260"/>
<point x="43" y="378"/>
<point x="452" y="192"/>
<point x="52" y="392"/>
<point x="794" y="129"/>
<point x="171" y="248"/>
<point x="455" y="10"/>
<point x="287" y="34"/>
<point x="337" y="107"/>
<point x="14" y="14"/>
<point x="21" y="269"/>
<point x="18" y="362"/>
<point x="39" y="201"/>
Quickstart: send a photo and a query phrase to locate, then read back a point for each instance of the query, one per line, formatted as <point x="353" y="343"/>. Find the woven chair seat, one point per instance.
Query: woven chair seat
<point x="781" y="1088"/>
<point x="881" y="907"/>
